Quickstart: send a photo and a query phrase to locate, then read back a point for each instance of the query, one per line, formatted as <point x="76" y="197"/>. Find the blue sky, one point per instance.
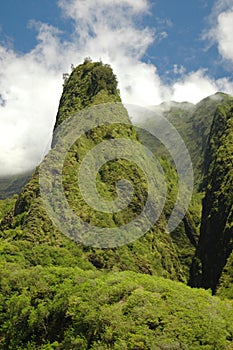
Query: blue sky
<point x="15" y="18"/>
<point x="183" y="21"/>
<point x="160" y="50"/>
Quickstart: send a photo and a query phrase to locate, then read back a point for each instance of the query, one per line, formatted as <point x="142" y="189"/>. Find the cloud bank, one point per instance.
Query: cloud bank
<point x="110" y="30"/>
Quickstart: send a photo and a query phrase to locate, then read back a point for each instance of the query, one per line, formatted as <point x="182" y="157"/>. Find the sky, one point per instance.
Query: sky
<point x="160" y="50"/>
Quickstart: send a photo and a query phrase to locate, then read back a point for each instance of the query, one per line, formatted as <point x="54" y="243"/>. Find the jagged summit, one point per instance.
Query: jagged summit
<point x="89" y="84"/>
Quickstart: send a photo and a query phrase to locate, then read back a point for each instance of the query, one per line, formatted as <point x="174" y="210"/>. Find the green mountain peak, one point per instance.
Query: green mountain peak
<point x="88" y="84"/>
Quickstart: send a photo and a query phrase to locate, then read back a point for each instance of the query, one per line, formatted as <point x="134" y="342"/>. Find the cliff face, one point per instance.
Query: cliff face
<point x="216" y="233"/>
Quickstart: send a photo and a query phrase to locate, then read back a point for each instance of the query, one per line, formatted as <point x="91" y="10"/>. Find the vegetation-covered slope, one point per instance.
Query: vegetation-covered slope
<point x="207" y="131"/>
<point x="225" y="284"/>
<point x="216" y="238"/>
<point x="68" y="309"/>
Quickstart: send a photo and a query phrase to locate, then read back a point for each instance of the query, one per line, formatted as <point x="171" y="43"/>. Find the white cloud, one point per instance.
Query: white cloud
<point x="224" y="34"/>
<point x="178" y="69"/>
<point x="30" y="90"/>
<point x="31" y="84"/>
<point x="197" y="85"/>
<point x="192" y="87"/>
<point x="87" y="10"/>
<point x="221" y="29"/>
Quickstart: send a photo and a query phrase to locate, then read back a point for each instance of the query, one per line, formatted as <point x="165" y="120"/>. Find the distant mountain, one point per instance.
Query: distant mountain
<point x="11" y="185"/>
<point x="193" y="122"/>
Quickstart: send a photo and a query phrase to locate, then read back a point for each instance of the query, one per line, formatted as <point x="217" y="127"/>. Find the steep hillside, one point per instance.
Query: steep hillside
<point x="193" y="123"/>
<point x="216" y="237"/>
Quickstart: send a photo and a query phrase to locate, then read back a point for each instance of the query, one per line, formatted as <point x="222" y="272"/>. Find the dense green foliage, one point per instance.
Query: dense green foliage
<point x="57" y="294"/>
<point x="67" y="308"/>
<point x="225" y="285"/>
<point x="6" y="205"/>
